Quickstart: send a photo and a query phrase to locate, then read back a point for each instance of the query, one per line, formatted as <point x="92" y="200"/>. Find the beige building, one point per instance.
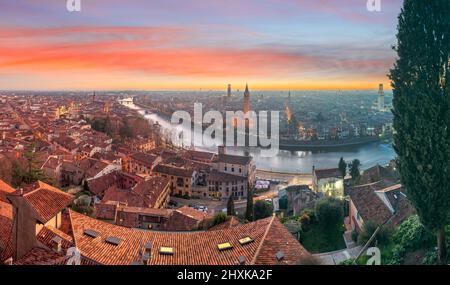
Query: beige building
<point x="182" y="180"/>
<point x="329" y="182"/>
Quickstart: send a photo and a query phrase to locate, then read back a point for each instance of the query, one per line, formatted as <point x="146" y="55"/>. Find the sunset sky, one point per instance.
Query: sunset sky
<point x="193" y="44"/>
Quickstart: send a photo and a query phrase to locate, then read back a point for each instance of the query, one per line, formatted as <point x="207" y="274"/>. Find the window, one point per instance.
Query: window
<point x="224" y="246"/>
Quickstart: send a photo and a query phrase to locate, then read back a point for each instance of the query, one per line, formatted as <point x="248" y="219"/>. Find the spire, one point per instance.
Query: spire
<point x="246" y="106"/>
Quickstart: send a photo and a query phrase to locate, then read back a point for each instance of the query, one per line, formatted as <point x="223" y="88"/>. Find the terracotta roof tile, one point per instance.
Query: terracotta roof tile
<point x="46" y="200"/>
<point x="194" y="248"/>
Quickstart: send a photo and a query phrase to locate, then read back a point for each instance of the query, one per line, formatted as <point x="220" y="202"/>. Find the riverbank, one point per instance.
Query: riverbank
<point x="291" y="163"/>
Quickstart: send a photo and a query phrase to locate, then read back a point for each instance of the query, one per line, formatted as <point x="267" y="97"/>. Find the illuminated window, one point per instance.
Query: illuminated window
<point x="225" y="246"/>
<point x="245" y="240"/>
<point x="166" y="250"/>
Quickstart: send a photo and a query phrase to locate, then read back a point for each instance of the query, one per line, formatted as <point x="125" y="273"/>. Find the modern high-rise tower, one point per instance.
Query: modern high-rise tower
<point x="381" y="105"/>
<point x="229" y="90"/>
<point x="246" y="107"/>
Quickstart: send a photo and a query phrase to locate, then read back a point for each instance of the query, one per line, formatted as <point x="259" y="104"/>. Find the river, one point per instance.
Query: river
<point x="302" y="161"/>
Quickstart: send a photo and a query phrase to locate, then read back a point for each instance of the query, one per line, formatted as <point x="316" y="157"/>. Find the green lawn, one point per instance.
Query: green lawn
<point x="318" y="240"/>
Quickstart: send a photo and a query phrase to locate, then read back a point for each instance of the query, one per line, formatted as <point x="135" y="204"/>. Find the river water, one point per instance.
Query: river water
<point x="301" y="161"/>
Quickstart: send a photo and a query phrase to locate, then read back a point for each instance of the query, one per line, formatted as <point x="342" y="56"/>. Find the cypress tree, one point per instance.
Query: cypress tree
<point x="230" y="206"/>
<point x="420" y="81"/>
<point x="343" y="167"/>
<point x="249" y="210"/>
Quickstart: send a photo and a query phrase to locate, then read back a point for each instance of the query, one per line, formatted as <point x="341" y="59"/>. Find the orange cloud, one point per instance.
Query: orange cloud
<point x="161" y="52"/>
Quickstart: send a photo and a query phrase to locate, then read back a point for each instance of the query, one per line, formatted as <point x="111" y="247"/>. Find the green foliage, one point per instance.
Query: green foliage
<point x="330" y="213"/>
<point x="27" y="172"/>
<point x="83" y="209"/>
<point x="249" y="211"/>
<point x="230" y="206"/>
<point x="410" y="236"/>
<point x="421" y="89"/>
<point x="430" y="258"/>
<point x="343" y="167"/>
<point x="262" y="210"/>
<point x="350" y="261"/>
<point x="219" y="218"/>
<point x="354" y="170"/>
<point x="305" y="221"/>
<point x="383" y="236"/>
<point x="355" y="236"/>
<point x="98" y="124"/>
<point x="319" y="239"/>
<point x="322" y="235"/>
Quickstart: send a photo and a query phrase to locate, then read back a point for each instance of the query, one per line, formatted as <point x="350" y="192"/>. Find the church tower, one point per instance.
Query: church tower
<point x="246" y="107"/>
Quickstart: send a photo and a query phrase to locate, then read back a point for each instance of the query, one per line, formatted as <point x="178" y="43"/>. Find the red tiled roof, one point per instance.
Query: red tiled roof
<point x="194" y="248"/>
<point x="224" y="177"/>
<point x="5" y="189"/>
<point x="41" y="256"/>
<point x="376" y="202"/>
<point x="152" y="189"/>
<point x="46" y="200"/>
<point x="147" y="159"/>
<point x="5" y="222"/>
<point x="172" y="170"/>
<point x="191" y="212"/>
<point x="328" y="173"/>
<point x="233" y="159"/>
<point x="229" y="223"/>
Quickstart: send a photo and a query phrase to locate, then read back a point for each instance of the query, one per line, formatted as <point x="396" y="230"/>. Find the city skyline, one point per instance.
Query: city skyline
<point x="272" y="45"/>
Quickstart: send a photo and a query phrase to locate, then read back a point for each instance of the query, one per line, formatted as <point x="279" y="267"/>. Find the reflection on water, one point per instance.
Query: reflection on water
<point x="303" y="161"/>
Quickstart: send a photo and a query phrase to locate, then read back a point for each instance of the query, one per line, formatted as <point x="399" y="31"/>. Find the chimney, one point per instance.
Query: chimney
<point x="57" y="243"/>
<point x="24" y="226"/>
<point x="242" y="260"/>
<point x="147" y="255"/>
<point x="146" y="258"/>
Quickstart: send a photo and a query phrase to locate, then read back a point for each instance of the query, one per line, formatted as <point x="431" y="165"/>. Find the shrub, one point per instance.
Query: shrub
<point x="310" y="213"/>
<point x="219" y="218"/>
<point x="348" y="262"/>
<point x="262" y="210"/>
<point x="412" y="235"/>
<point x="305" y="222"/>
<point x="430" y="258"/>
<point x="329" y="212"/>
<point x="367" y="231"/>
<point x="355" y="236"/>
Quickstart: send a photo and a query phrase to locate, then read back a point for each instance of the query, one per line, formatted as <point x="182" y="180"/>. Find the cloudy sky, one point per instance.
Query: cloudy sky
<point x="193" y="44"/>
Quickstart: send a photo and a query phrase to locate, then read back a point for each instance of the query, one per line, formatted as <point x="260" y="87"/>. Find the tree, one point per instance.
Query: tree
<point x="249" y="209"/>
<point x="330" y="213"/>
<point x="343" y="167"/>
<point x="230" y="206"/>
<point x="354" y="169"/>
<point x="263" y="210"/>
<point x="31" y="173"/>
<point x="421" y="111"/>
<point x="219" y="218"/>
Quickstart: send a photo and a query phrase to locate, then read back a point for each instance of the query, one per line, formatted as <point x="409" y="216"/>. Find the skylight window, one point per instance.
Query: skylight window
<point x="113" y="240"/>
<point x="166" y="250"/>
<point x="225" y="246"/>
<point x="91" y="233"/>
<point x="246" y="240"/>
